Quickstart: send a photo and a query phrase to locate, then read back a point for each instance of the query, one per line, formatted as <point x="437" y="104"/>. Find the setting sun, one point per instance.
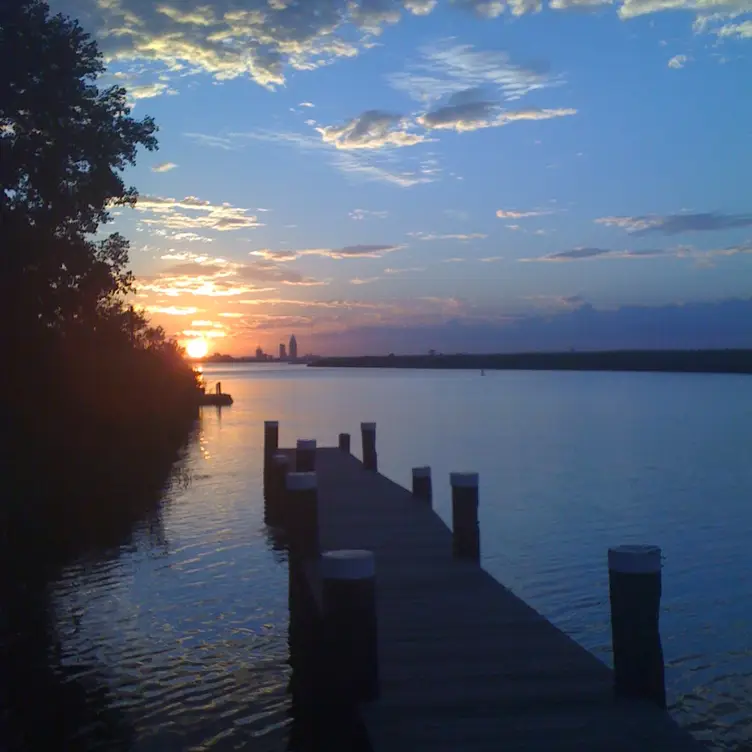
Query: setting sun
<point x="197" y="348"/>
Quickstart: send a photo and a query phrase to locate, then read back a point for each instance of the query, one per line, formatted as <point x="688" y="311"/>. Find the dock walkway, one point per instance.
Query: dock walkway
<point x="464" y="663"/>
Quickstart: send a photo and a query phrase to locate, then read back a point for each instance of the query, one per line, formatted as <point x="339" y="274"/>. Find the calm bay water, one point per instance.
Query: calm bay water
<point x="187" y="627"/>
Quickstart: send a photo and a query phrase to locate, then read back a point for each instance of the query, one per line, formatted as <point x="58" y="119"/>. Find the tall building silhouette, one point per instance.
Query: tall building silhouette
<point x="293" y="348"/>
<point x="282" y="351"/>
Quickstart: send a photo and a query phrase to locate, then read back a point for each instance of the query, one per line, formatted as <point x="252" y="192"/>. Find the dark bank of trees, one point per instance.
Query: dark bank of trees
<point x="94" y="403"/>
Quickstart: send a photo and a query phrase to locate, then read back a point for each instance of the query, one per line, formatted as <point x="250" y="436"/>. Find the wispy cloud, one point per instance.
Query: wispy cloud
<point x="163" y="167"/>
<point x="147" y="91"/>
<point x="366" y="213"/>
<point x="448" y="236"/>
<point x="446" y="68"/>
<point x="513" y="214"/>
<point x="364" y="280"/>
<point x="350" y="251"/>
<point x="676" y="224"/>
<point x="171" y="213"/>
<point x="582" y="254"/>
<point x="173" y="310"/>
<point x="678" y="61"/>
<point x="373" y="129"/>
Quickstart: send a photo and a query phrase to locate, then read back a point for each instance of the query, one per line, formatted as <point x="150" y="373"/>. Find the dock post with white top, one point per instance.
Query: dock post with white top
<point x="348" y="597"/>
<point x="465" y="529"/>
<point x="368" y="435"/>
<point x="634" y="582"/>
<point x="305" y="456"/>
<point x="422" y="488"/>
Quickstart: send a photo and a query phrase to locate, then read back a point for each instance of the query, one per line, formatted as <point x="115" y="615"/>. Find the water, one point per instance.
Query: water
<point x="186" y="628"/>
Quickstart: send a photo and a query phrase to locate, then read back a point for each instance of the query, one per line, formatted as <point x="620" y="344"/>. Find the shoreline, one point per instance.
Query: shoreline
<point x="664" y="361"/>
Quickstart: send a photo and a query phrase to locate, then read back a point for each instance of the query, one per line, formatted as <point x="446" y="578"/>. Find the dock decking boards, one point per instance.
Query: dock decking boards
<point x="465" y="664"/>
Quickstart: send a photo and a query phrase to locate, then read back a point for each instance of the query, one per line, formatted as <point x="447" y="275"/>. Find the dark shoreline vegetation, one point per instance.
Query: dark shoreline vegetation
<point x="667" y="361"/>
<point x="96" y="404"/>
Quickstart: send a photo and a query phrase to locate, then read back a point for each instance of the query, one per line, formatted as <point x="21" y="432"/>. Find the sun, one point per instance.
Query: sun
<point x="197" y="348"/>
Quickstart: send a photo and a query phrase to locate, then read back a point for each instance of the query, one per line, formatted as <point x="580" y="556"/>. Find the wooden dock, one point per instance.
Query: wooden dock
<point x="464" y="663"/>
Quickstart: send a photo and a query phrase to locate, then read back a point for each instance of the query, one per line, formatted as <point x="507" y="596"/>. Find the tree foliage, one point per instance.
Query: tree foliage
<point x="63" y="146"/>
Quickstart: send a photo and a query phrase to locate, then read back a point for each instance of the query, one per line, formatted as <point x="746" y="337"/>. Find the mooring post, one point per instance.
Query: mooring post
<point x="465" y="530"/>
<point x="422" y="488"/>
<point x="368" y="435"/>
<point x="275" y="488"/>
<point x="344" y="442"/>
<point x="305" y="456"/>
<point x="271" y="444"/>
<point x="634" y="583"/>
<point x="349" y="604"/>
<point x="302" y="514"/>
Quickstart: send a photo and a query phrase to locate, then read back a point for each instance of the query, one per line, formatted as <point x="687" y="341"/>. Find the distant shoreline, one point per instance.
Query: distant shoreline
<point x="668" y="361"/>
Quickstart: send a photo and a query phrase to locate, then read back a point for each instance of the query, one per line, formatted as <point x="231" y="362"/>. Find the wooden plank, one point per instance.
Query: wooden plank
<point x="466" y="664"/>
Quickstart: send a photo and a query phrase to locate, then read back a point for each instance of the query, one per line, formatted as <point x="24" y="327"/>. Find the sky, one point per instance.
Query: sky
<point x="469" y="175"/>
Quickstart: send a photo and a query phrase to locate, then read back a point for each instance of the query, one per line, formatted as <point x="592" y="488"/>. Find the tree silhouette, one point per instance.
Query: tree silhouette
<point x="63" y="146"/>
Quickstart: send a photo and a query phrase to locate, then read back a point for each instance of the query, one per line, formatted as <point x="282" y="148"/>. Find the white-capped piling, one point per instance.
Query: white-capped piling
<point x="422" y="488"/>
<point x="465" y="530"/>
<point x="348" y="590"/>
<point x="368" y="436"/>
<point x="634" y="580"/>
<point x="344" y="442"/>
<point x="301" y="512"/>
<point x="305" y="455"/>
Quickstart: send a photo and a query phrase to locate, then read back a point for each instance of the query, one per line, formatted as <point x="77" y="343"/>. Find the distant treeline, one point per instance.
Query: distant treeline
<point x="677" y="361"/>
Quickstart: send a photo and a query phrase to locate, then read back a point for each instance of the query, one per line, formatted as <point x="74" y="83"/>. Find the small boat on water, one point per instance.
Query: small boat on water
<point x="216" y="398"/>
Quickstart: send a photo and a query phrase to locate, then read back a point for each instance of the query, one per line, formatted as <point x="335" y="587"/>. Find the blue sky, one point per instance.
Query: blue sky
<point x="391" y="167"/>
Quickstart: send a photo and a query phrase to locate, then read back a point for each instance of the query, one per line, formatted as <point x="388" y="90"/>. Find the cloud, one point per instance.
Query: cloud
<point x="512" y="214"/>
<point x="420" y="7"/>
<point x="365" y="213"/>
<point x="147" y="91"/>
<point x="164" y="167"/>
<point x="373" y="129"/>
<point x="214" y="142"/>
<point x="741" y="30"/>
<point x="676" y="224"/>
<point x="173" y="310"/>
<point x="404" y="270"/>
<point x="231" y="315"/>
<point x="350" y="251"/>
<point x="214" y="276"/>
<point x="483" y="8"/>
<point x="678" y="61"/>
<point x="463" y="112"/>
<point x="306" y="104"/>
<point x="448" y="236"/>
<point x="581" y="254"/>
<point x="171" y="213"/>
<point x="364" y="280"/>
<point x="446" y="68"/>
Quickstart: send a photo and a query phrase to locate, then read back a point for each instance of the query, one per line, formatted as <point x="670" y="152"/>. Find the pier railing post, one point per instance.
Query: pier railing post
<point x="422" y="488"/>
<point x="271" y="444"/>
<point x="634" y="579"/>
<point x="344" y="442"/>
<point x="349" y="605"/>
<point x="302" y="515"/>
<point x="368" y="435"/>
<point x="465" y="530"/>
<point x="275" y="488"/>
<point x="305" y="456"/>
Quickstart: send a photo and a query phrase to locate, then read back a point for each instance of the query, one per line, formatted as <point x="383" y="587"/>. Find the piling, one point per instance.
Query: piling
<point x="344" y="442"/>
<point x="275" y="489"/>
<point x="422" y="488"/>
<point x="305" y="456"/>
<point x="302" y="515"/>
<point x="634" y="580"/>
<point x="349" y="604"/>
<point x="368" y="435"/>
<point x="271" y="444"/>
<point x="465" y="530"/>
